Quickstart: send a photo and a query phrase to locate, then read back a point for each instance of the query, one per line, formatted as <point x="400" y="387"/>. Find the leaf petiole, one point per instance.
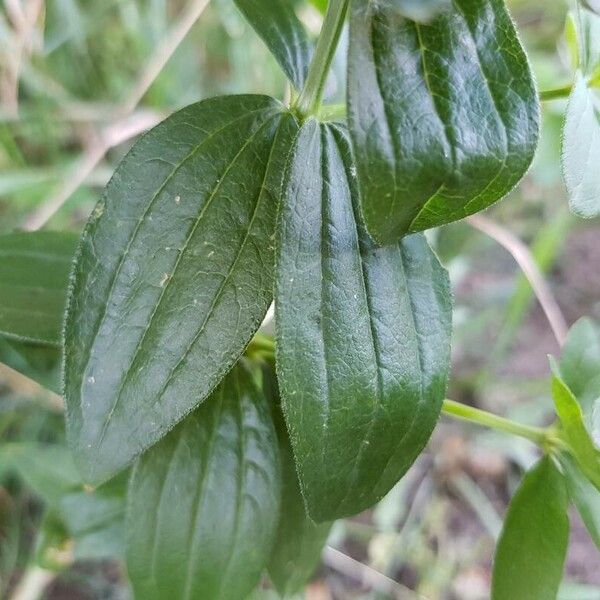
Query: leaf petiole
<point x="542" y="437"/>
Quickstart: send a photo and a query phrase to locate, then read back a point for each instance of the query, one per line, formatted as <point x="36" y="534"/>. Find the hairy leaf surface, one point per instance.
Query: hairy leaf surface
<point x="581" y="149"/>
<point x="533" y="544"/>
<point x="174" y="275"/>
<point x="363" y="335"/>
<point x="277" y="24"/>
<point x="299" y="541"/>
<point x="444" y="117"/>
<point x="203" y="503"/>
<point x="34" y="278"/>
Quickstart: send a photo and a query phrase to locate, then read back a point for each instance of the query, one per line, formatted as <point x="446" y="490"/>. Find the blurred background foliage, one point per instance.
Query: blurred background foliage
<point x="67" y="71"/>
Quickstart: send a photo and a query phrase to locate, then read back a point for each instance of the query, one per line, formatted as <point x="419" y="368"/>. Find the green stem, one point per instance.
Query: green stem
<point x="310" y="97"/>
<point x="561" y="92"/>
<point x="481" y="417"/>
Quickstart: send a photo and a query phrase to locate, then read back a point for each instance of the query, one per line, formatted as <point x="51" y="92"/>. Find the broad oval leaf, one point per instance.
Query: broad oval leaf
<point x="34" y="278"/>
<point x="299" y="541"/>
<point x="363" y="335"/>
<point x="581" y="149"/>
<point x="533" y="544"/>
<point x="277" y="24"/>
<point x="173" y="277"/>
<point x="444" y="117"/>
<point x="585" y="497"/>
<point x="203" y="504"/>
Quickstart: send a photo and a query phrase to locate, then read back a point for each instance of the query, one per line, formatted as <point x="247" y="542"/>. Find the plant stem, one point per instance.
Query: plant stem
<point x="561" y="92"/>
<point x="309" y="100"/>
<point x="481" y="417"/>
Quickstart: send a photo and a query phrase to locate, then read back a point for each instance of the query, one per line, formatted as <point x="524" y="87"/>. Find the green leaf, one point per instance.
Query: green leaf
<point x="572" y="420"/>
<point x="37" y="361"/>
<point x="203" y="504"/>
<point x="52" y="543"/>
<point x="299" y="541"/>
<point x="95" y="520"/>
<point x="48" y="470"/>
<point x="580" y="369"/>
<point x="585" y="496"/>
<point x="417" y="10"/>
<point x="589" y="41"/>
<point x="277" y="24"/>
<point x="533" y="543"/>
<point x="363" y="335"/>
<point x="444" y="117"/>
<point x="320" y="5"/>
<point x="581" y="148"/>
<point x="34" y="278"/>
<point x="173" y="277"/>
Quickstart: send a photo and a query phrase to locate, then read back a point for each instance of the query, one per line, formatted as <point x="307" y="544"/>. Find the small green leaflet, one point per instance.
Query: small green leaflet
<point x="203" y="503"/>
<point x="34" y="276"/>
<point x="298" y="542"/>
<point x="363" y="335"/>
<point x="531" y="551"/>
<point x="174" y="275"/>
<point x="444" y="117"/>
<point x="580" y="369"/>
<point x="574" y="430"/>
<point x="581" y="148"/>
<point x="585" y="497"/>
<point x="277" y="24"/>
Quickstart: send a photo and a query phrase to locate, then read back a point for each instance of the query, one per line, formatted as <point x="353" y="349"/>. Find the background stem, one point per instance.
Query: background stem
<point x="310" y="98"/>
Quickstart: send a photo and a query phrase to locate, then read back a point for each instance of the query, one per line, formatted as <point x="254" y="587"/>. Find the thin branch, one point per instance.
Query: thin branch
<point x="352" y="568"/>
<point x="120" y="131"/>
<point x="33" y="584"/>
<point x="526" y="262"/>
<point x="112" y="136"/>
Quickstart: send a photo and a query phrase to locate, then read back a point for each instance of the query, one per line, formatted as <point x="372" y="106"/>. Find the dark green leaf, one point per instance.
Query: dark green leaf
<point x="203" y="504"/>
<point x="299" y="541"/>
<point x="533" y="544"/>
<point x="363" y="335"/>
<point x="417" y="10"/>
<point x="574" y="429"/>
<point x="39" y="362"/>
<point x="444" y="117"/>
<point x="34" y="277"/>
<point x="581" y="149"/>
<point x="174" y="275"/>
<point x="585" y="496"/>
<point x="277" y="24"/>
